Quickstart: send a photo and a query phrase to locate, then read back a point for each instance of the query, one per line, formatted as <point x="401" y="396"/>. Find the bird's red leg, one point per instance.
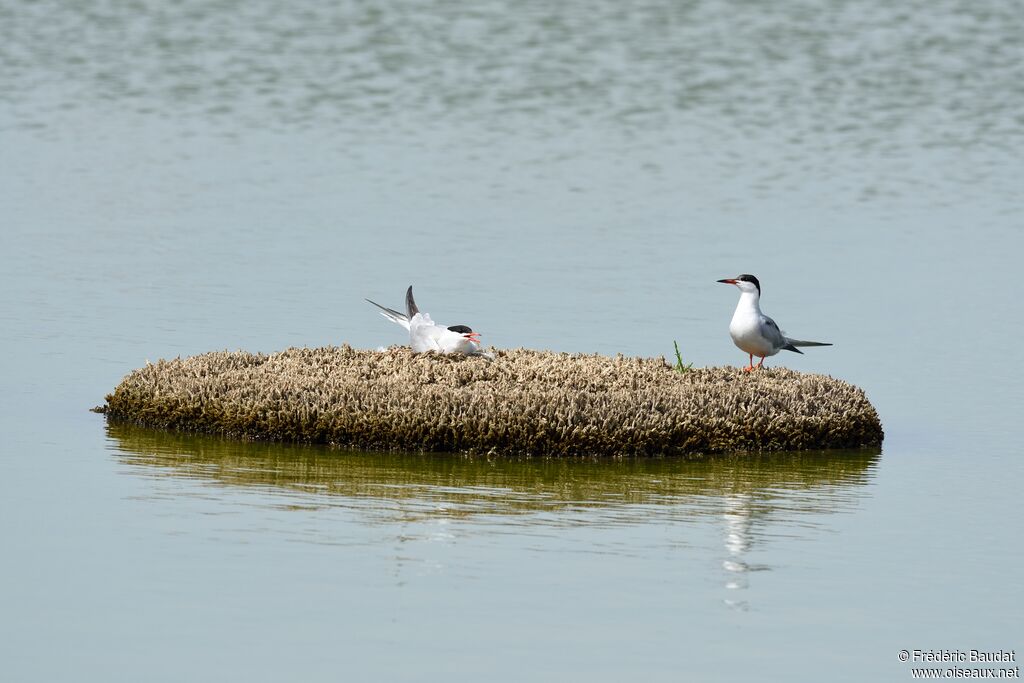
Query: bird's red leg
<point x="760" y="363"/>
<point x="751" y="366"/>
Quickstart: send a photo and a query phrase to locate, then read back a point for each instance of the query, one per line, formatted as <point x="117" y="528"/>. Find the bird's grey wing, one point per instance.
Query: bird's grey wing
<point x="770" y="331"/>
<point x="392" y="315"/>
<point x="410" y="303"/>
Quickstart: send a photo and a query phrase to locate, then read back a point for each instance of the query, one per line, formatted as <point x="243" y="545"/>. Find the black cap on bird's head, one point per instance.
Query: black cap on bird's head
<point x="750" y="278"/>
<point x="746" y="277"/>
<point x="466" y="331"/>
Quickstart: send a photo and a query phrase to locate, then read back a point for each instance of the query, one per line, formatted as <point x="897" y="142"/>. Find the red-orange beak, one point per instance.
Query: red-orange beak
<point x="473" y="336"/>
<point x="728" y="281"/>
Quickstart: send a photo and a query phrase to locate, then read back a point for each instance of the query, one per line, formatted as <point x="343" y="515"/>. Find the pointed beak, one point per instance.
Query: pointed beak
<point x="473" y="337"/>
<point x="728" y="281"/>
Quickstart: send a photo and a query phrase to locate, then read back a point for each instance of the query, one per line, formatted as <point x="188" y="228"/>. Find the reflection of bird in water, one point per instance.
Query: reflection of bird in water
<point x="738" y="521"/>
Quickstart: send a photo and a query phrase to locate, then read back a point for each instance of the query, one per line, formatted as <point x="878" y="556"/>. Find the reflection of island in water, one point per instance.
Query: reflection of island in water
<point x="745" y="492"/>
<point x="467" y="485"/>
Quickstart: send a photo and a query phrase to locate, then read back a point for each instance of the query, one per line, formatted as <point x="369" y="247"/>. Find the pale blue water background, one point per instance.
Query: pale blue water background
<point x="183" y="177"/>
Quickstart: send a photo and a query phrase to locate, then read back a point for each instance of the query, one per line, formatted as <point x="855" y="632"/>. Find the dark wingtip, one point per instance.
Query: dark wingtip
<point x="410" y="303"/>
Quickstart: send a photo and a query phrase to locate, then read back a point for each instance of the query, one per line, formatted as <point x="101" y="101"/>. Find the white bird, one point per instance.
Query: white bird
<point x="752" y="331"/>
<point x="426" y="335"/>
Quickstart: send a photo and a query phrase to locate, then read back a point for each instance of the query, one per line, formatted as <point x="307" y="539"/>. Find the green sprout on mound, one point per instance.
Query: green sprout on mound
<point x="679" y="360"/>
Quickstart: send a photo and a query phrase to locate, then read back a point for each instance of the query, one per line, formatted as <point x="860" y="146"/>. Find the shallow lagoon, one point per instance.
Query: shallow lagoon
<point x="182" y="178"/>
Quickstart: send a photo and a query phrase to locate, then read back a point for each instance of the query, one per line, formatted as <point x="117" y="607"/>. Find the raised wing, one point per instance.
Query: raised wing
<point x="410" y="303"/>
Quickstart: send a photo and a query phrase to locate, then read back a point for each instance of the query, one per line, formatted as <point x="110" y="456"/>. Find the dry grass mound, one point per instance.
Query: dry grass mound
<point x="522" y="403"/>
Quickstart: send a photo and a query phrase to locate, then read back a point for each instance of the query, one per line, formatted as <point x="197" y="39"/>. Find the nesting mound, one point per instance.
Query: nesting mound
<point x="521" y="403"/>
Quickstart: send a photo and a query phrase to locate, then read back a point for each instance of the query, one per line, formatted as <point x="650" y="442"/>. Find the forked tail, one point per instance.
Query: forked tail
<point x="392" y="315"/>
<point x="792" y="344"/>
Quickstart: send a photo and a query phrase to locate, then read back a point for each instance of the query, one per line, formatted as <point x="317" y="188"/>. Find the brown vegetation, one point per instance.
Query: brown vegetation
<point x="521" y="403"/>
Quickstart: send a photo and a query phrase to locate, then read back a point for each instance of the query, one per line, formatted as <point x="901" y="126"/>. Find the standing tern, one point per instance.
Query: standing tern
<point x="752" y="331"/>
<point x="426" y="335"/>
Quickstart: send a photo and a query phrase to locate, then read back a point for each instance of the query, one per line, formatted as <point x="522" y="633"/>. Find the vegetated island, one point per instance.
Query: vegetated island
<point x="524" y="402"/>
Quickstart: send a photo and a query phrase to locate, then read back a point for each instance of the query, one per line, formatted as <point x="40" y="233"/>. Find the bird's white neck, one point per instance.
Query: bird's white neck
<point x="749" y="303"/>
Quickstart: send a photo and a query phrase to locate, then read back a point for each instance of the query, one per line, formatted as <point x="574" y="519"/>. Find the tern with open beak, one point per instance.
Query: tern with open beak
<point x="426" y="335"/>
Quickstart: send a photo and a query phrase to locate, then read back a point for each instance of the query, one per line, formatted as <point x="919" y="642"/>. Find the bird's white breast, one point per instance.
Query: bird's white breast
<point x="745" y="328"/>
<point x="426" y="335"/>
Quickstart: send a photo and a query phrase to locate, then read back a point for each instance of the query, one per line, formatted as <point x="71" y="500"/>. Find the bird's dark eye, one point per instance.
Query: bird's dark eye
<point x="751" y="279"/>
<point x="461" y="329"/>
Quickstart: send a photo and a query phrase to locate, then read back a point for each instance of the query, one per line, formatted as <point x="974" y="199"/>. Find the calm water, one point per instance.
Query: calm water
<point x="183" y="177"/>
